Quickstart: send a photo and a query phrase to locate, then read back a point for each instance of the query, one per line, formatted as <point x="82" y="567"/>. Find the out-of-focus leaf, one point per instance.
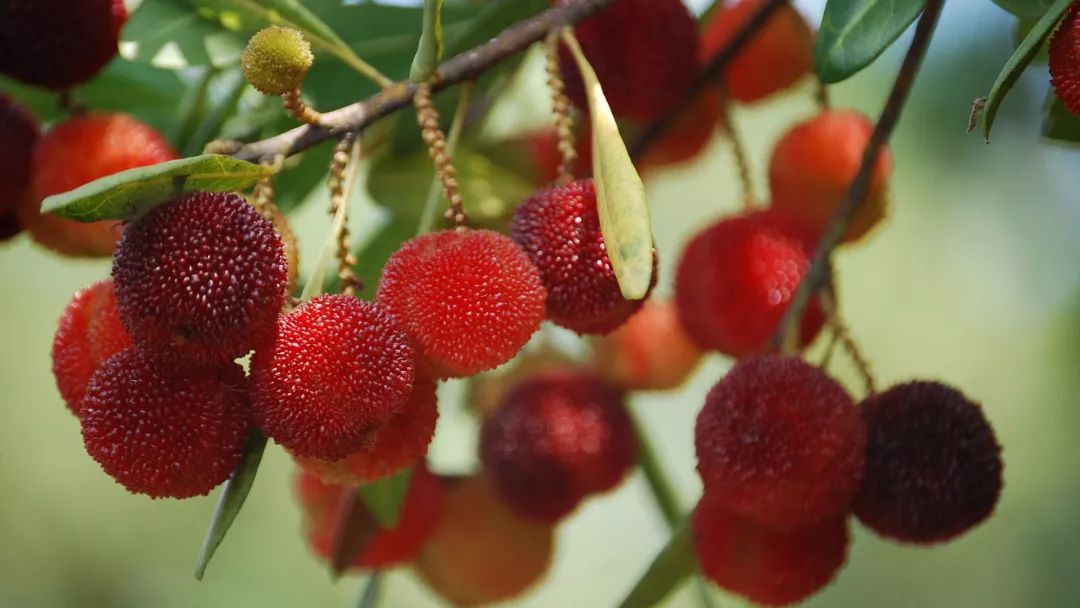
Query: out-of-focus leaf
<point x="673" y="565"/>
<point x="1030" y="9"/>
<point x="1059" y="123"/>
<point x="384" y="497"/>
<point x="1021" y="29"/>
<point x="170" y="34"/>
<point x="854" y="32"/>
<point x="430" y="49"/>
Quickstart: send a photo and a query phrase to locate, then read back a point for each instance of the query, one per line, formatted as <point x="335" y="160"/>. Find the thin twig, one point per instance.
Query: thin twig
<point x="842" y="334"/>
<point x="742" y="162"/>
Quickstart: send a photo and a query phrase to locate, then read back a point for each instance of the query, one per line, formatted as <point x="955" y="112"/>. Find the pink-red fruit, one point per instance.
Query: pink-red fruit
<point x="18" y="134"/>
<point x="1065" y="60"/>
<point x="651" y="351"/>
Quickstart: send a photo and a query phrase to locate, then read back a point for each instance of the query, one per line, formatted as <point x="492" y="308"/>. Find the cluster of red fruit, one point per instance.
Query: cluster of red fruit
<point x="1065" y="60"/>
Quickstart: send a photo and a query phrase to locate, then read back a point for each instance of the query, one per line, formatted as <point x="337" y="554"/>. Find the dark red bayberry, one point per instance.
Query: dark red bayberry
<point x="18" y="134"/>
<point x="933" y="464"/>
<point x="1065" y="60"/>
<point x="88" y="334"/>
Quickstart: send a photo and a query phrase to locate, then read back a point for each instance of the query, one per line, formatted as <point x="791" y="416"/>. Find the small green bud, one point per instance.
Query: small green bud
<point x="276" y="60"/>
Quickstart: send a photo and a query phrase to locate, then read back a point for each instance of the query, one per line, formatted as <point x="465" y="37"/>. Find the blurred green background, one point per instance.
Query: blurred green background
<point x="973" y="280"/>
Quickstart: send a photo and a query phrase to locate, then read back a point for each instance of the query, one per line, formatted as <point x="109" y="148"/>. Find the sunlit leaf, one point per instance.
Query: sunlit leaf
<point x="854" y="32"/>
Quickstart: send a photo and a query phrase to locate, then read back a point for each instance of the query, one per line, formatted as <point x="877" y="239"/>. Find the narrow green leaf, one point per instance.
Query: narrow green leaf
<point x="231" y="499"/>
<point x="129" y="194"/>
<point x="1021" y="29"/>
<point x="430" y="50"/>
<point x="1030" y="9"/>
<point x="384" y="498"/>
<point x="854" y="32"/>
<point x="1024" y="54"/>
<point x="1059" y="123"/>
<point x="674" y="564"/>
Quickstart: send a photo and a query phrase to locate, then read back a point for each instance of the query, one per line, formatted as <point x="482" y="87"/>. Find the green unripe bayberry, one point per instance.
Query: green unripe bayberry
<point x="276" y="60"/>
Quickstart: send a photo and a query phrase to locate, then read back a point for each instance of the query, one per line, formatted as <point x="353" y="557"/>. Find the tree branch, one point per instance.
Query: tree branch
<point x="818" y="273"/>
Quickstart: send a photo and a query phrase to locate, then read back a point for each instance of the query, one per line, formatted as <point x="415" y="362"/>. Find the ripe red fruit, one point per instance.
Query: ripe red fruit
<point x="469" y="300"/>
<point x="18" y="134"/>
<point x="395" y="445"/>
<point x="58" y="43"/>
<point x="644" y="53"/>
<point x="200" y="280"/>
<point x="780" y="442"/>
<point x="651" y="351"/>
<point x="162" y="433"/>
<point x="556" y="439"/>
<point x="559" y="229"/>
<point x="89" y="333"/>
<point x="736" y="279"/>
<point x="814" y="163"/>
<point x="336" y="369"/>
<point x="767" y="566"/>
<point x="933" y="464"/>
<point x="776" y="57"/>
<point x="74" y="152"/>
<point x="1065" y="60"/>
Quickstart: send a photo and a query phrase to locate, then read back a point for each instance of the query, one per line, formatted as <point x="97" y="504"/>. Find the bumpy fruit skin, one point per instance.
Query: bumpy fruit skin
<point x="200" y="280"/>
<point x="559" y="229"/>
<point x="556" y="439"/>
<point x="933" y="464"/>
<point x="736" y="279"/>
<point x="395" y="445"/>
<point x="779" y="54"/>
<point x="780" y="442"/>
<point x="469" y="300"/>
<point x="276" y="60"/>
<point x="767" y="566"/>
<point x="58" y="44"/>
<point x="18" y="134"/>
<point x="88" y="334"/>
<point x="1065" y="60"/>
<point x="162" y="433"/>
<point x="336" y="370"/>
<point x="644" y="53"/>
<point x="814" y="163"/>
<point x="651" y="351"/>
<point x="74" y="152"/>
<point x="483" y="551"/>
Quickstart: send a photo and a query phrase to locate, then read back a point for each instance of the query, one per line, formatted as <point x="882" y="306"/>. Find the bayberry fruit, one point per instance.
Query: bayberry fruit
<point x="18" y="134"/>
<point x="276" y="60"/>
<point x="1065" y="60"/>
<point x="780" y="442"/>
<point x="470" y="300"/>
<point x="651" y="351"/>
<point x="336" y="370"/>
<point x="200" y="280"/>
<point x="163" y="433"/>
<point x="736" y="279"/>
<point x="933" y="464"/>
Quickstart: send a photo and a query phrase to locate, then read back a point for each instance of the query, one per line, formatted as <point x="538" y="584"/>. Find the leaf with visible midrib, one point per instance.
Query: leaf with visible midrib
<point x="854" y="32"/>
<point x="384" y="497"/>
<point x="674" y="564"/>
<point x="132" y="193"/>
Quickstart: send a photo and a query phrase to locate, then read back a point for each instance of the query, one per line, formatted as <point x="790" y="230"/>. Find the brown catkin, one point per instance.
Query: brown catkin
<point x="428" y="118"/>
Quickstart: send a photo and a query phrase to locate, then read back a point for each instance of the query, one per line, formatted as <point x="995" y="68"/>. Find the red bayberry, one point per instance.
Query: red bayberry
<point x="559" y="229"/>
<point x="161" y="433"/>
<point x="815" y="162"/>
<point x="336" y="370"/>
<point x="18" y="134"/>
<point x="470" y="300"/>
<point x="397" y="444"/>
<point x="651" y="351"/>
<point x="200" y="280"/>
<point x="1065" y="60"/>
<point x="933" y="464"/>
<point x="89" y="333"/>
<point x="74" y="152"/>
<point x="644" y="53"/>
<point x="556" y="439"/>
<point x="736" y="279"/>
<point x="58" y="43"/>
<point x="767" y="566"/>
<point x="780" y="442"/>
<point x="777" y="56"/>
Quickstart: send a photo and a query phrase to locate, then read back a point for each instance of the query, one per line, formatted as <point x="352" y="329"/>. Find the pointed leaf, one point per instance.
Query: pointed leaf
<point x="1059" y="123"/>
<point x="854" y="32"/>
<point x="430" y="50"/>
<point x="674" y="564"/>
<point x="130" y="194"/>
<point x="385" y="497"/>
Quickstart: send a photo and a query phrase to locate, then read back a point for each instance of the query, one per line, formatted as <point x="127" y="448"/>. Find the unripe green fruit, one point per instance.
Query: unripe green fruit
<point x="276" y="60"/>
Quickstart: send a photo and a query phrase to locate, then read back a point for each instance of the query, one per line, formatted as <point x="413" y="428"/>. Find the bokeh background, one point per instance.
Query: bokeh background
<point x="973" y="280"/>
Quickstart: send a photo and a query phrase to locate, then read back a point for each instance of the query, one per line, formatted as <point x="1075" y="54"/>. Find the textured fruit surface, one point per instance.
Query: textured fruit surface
<point x="58" y="43"/>
<point x="735" y="280"/>
<point x="77" y="151"/>
<point x="336" y="369"/>
<point x="1065" y="60"/>
<point x="276" y="60"/>
<point x="483" y="552"/>
<point x="814" y="163"/>
<point x="469" y="300"/>
<point x="200" y="280"/>
<point x="767" y="566"/>
<point x="780" y="442"/>
<point x="559" y="229"/>
<point x="18" y="134"/>
<point x="933" y="464"/>
<point x="776" y="57"/>
<point x="395" y="445"/>
<point x="644" y="53"/>
<point x="88" y="334"/>
<point x="162" y="433"/>
<point x="556" y="439"/>
<point x="651" y="351"/>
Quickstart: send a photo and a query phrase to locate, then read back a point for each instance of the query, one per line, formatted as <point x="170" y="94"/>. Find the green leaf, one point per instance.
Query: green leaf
<point x="130" y="194"/>
<point x="1030" y="9"/>
<point x="673" y="565"/>
<point x="170" y="34"/>
<point x="1025" y="52"/>
<point x="1059" y="123"/>
<point x="1021" y="29"/>
<point x="854" y="32"/>
<point x="231" y="499"/>
<point x="620" y="194"/>
<point x="430" y="50"/>
<point x="384" y="497"/>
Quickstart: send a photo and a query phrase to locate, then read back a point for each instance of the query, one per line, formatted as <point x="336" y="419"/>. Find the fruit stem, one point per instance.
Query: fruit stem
<point x="369" y="597"/>
<point x="294" y="105"/>
<point x="738" y="148"/>
<point x="346" y="153"/>
<point x="457" y="126"/>
<point x="561" y="108"/>
<point x="662" y="491"/>
<point x="440" y="152"/>
<point x="842" y="334"/>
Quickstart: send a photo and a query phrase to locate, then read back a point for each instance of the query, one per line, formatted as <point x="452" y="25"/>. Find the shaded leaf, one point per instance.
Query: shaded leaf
<point x="170" y="34"/>
<point x="385" y="497"/>
<point x="1021" y="29"/>
<point x="854" y="32"/>
<point x="1059" y="123"/>
<point x="430" y="49"/>
<point x="1030" y="9"/>
<point x="673" y="565"/>
<point x="354" y="530"/>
